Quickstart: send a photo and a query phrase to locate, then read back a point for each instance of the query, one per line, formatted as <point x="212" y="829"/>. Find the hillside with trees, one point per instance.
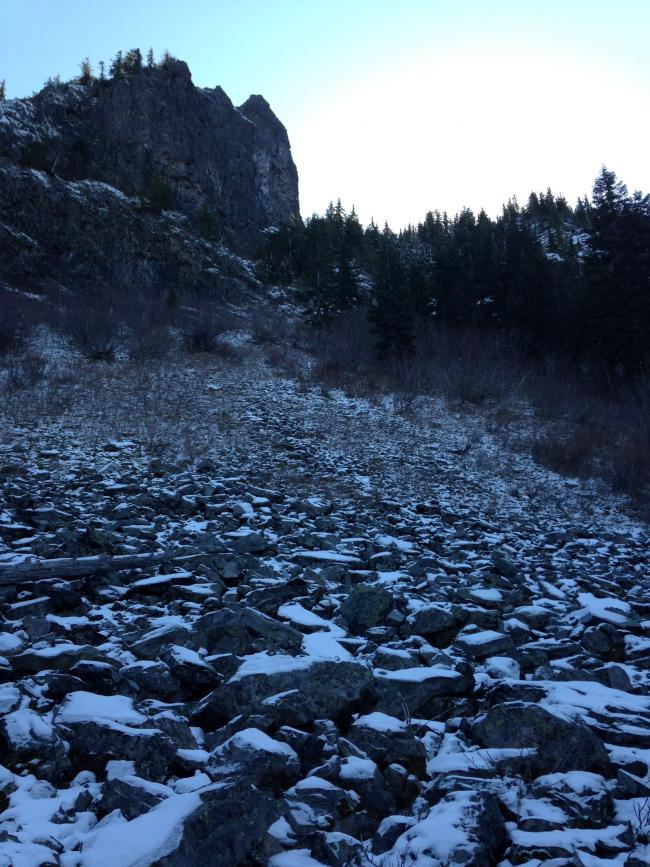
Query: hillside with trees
<point x="564" y="280"/>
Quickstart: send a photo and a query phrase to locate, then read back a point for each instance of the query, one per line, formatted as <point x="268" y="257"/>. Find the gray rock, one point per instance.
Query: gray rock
<point x="404" y="787"/>
<point x="334" y="848"/>
<point x="297" y="690"/>
<point x="367" y="605"/>
<point x="97" y="676"/>
<point x="504" y="566"/>
<point x="388" y="832"/>
<point x="604" y="641"/>
<point x="475" y="818"/>
<point x="584" y="802"/>
<point x="386" y="740"/>
<point x="435" y="623"/>
<point x="150" y="679"/>
<point x="615" y="677"/>
<point x="28" y="742"/>
<point x="415" y="688"/>
<point x="561" y="745"/>
<point x="175" y="726"/>
<point x="194" y="674"/>
<point x="226" y="830"/>
<point x="130" y="795"/>
<point x="95" y="743"/>
<point x="244" y="631"/>
<point x="394" y="660"/>
<point x="316" y="803"/>
<point x="257" y="758"/>
<point x="481" y="645"/>
<point x="247" y="541"/>
<point x="151" y="642"/>
<point x="58" y="657"/>
<point x="127" y="247"/>
<point x="364" y="777"/>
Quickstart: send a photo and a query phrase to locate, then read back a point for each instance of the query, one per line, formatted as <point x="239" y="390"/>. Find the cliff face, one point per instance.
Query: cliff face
<point x="162" y="145"/>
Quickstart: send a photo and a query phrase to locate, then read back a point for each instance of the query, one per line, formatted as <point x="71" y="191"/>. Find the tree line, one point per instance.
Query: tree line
<point x="574" y="280"/>
<point x="124" y="64"/>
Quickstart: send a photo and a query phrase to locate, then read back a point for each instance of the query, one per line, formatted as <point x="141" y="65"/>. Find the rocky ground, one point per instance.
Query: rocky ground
<point x="373" y="639"/>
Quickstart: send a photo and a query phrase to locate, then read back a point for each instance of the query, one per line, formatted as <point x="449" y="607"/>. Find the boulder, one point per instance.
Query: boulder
<point x="465" y="829"/>
<point x="386" y="739"/>
<point x="244" y="631"/>
<point x="296" y="689"/>
<point x="364" y="777"/>
<point x="367" y="605"/>
<point x="29" y="742"/>
<point x="131" y="795"/>
<point x="485" y="643"/>
<point x="95" y="743"/>
<point x="439" y="625"/>
<point x="226" y="829"/>
<point x="558" y="744"/>
<point x="57" y="657"/>
<point x="255" y="757"/>
<point x="412" y="689"/>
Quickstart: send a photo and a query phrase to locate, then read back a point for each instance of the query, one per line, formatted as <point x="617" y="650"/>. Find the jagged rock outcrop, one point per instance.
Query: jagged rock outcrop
<point x="87" y="234"/>
<point x="89" y="174"/>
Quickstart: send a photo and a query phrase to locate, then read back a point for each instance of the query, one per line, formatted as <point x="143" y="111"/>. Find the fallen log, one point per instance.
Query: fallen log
<point x="78" y="567"/>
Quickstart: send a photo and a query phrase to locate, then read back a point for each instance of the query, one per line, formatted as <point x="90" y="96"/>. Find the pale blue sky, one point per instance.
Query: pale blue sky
<point x="397" y="107"/>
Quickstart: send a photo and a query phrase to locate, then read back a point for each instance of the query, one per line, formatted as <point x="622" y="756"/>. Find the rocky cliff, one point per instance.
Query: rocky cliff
<point x="143" y="178"/>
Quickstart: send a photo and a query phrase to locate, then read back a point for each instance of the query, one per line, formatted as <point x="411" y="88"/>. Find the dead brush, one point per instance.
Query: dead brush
<point x="641" y="824"/>
<point x="25" y="372"/>
<point x="13" y="331"/>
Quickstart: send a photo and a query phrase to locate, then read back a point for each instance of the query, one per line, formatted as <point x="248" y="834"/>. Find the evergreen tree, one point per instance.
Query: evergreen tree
<point x="86" y="76"/>
<point x="391" y="315"/>
<point x="115" y="69"/>
<point x="133" y="61"/>
<point x="617" y="274"/>
<point x="3" y="89"/>
<point x="532" y="272"/>
<point x="150" y="59"/>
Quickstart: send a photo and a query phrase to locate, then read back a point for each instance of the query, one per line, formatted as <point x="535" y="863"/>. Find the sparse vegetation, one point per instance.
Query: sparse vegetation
<point x="642" y="820"/>
<point x="12" y="327"/>
<point x="92" y="328"/>
<point x="86" y="76"/>
<point x="35" y="156"/>
<point x="160" y="195"/>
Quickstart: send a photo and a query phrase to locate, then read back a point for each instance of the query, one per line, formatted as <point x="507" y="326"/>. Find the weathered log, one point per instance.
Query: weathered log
<point x="77" y="567"/>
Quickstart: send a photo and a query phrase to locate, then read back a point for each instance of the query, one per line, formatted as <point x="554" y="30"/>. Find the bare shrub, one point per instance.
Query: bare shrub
<point x="408" y="386"/>
<point x="13" y="331"/>
<point x="343" y="352"/>
<point x="557" y="388"/>
<point x="203" y="324"/>
<point x="270" y="326"/>
<point x="631" y="456"/>
<point x="92" y="328"/>
<point x="227" y="350"/>
<point x="200" y="338"/>
<point x="641" y="824"/>
<point x="147" y="323"/>
<point x="25" y="371"/>
<point x="570" y="454"/>
<point x="469" y="366"/>
<point x="594" y="427"/>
